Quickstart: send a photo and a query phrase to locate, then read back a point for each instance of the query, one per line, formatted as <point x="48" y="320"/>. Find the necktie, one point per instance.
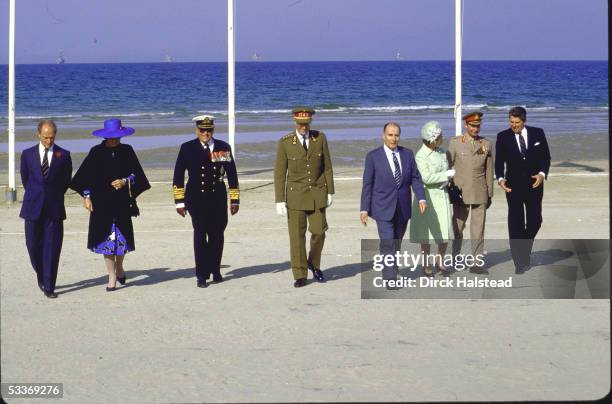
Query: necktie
<point x="397" y="175"/>
<point x="207" y="151"/>
<point x="523" y="145"/>
<point x="45" y="164"/>
<point x="304" y="144"/>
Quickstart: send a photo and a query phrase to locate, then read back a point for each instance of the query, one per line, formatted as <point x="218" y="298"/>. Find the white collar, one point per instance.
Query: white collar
<point x="297" y="132"/>
<point x="389" y="151"/>
<point x="523" y="132"/>
<point x="41" y="148"/>
<point x="211" y="142"/>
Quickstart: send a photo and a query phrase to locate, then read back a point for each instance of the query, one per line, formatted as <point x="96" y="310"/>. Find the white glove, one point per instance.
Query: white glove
<point x="450" y="173"/>
<point x="281" y="208"/>
<point x="330" y="199"/>
<point x="444" y="184"/>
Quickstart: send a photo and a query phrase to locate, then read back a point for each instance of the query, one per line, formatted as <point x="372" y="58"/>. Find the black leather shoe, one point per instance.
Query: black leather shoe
<point x="51" y="295"/>
<point x="41" y="287"/>
<point x="217" y="278"/>
<point x="519" y="271"/>
<point x="299" y="283"/>
<point x="122" y="280"/>
<point x="317" y="274"/>
<point x="111" y="289"/>
<point x="202" y="284"/>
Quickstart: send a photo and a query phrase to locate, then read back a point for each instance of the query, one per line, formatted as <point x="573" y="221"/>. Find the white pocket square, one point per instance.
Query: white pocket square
<point x="536" y="143"/>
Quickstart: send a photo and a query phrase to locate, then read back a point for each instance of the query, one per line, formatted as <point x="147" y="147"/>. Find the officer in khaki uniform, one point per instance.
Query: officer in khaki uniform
<point x="470" y="156"/>
<point x="303" y="185"/>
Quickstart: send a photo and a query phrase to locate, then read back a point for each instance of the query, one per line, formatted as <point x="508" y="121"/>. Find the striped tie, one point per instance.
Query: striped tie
<point x="45" y="164"/>
<point x="522" y="145"/>
<point x="397" y="175"/>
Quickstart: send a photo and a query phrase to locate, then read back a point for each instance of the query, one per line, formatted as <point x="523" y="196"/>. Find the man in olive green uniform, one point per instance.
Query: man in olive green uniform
<point x="303" y="185"/>
<point x="470" y="156"/>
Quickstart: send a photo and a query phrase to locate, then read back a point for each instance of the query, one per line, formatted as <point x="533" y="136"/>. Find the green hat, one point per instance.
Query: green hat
<point x="303" y="114"/>
<point x="431" y="130"/>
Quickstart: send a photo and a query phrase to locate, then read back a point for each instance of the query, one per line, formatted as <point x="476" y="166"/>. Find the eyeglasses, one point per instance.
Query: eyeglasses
<point x="204" y="130"/>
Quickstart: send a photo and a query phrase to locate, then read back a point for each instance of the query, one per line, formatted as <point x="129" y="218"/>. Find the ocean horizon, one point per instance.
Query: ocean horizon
<point x="564" y="97"/>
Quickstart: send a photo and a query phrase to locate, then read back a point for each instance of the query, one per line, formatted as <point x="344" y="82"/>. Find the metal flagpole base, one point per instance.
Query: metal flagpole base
<point x="10" y="194"/>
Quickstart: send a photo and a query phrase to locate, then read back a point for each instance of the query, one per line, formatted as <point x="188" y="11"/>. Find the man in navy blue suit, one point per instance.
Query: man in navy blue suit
<point x="390" y="171"/>
<point x="522" y="160"/>
<point x="46" y="170"/>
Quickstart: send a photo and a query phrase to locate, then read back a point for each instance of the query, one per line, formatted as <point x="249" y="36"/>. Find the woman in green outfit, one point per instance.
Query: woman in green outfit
<point x="435" y="225"/>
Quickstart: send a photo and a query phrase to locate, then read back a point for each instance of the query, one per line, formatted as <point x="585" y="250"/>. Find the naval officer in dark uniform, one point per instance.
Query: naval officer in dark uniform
<point x="303" y="185"/>
<point x="207" y="161"/>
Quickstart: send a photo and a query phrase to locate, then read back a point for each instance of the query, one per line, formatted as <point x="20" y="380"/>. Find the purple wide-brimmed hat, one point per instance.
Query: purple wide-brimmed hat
<point x="113" y="130"/>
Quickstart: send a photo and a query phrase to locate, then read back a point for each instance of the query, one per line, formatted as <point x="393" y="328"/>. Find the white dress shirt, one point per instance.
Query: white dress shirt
<point x="41" y="153"/>
<point x="389" y="153"/>
<point x="302" y="138"/>
<point x="211" y="144"/>
<point x="524" y="135"/>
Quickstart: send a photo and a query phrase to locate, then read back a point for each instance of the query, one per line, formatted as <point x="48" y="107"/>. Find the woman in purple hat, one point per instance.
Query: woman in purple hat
<point x="109" y="180"/>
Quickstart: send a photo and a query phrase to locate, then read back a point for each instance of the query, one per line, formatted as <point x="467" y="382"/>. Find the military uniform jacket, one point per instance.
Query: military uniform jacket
<point x="473" y="164"/>
<point x="205" y="185"/>
<point x="302" y="179"/>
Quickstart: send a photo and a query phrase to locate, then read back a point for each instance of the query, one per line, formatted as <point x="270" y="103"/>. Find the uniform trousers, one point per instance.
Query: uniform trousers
<point x="298" y="220"/>
<point x="478" y="216"/>
<point x="208" y="240"/>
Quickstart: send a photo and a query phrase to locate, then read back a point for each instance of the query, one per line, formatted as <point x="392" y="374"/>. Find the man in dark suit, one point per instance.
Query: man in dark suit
<point x="206" y="161"/>
<point x="46" y="170"/>
<point x="390" y="171"/>
<point x="522" y="160"/>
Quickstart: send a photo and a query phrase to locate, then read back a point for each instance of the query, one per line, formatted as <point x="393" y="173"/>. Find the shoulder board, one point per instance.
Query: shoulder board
<point x="288" y="136"/>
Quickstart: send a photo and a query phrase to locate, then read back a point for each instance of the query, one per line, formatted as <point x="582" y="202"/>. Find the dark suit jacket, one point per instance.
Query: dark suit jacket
<point x="45" y="193"/>
<point x="509" y="163"/>
<point x="380" y="195"/>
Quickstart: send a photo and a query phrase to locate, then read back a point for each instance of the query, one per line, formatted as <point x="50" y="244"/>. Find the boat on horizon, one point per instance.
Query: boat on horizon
<point x="60" y="59"/>
<point x="168" y="59"/>
<point x="256" y="57"/>
<point x="398" y="56"/>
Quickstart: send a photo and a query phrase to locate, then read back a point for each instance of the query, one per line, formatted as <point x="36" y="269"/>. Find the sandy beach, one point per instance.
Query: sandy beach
<point x="256" y="338"/>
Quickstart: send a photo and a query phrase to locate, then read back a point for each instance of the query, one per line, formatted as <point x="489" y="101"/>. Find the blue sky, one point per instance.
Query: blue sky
<point x="297" y="30"/>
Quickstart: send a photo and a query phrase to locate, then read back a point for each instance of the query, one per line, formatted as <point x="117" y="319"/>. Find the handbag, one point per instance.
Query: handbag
<point x="132" y="205"/>
<point x="454" y="194"/>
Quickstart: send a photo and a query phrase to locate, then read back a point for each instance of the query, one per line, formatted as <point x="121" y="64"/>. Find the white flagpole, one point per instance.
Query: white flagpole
<point x="231" y="75"/>
<point x="11" y="192"/>
<point x="458" y="41"/>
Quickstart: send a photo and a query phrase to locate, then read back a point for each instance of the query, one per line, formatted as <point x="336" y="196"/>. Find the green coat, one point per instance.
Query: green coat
<point x="436" y="223"/>
<point x="302" y="179"/>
